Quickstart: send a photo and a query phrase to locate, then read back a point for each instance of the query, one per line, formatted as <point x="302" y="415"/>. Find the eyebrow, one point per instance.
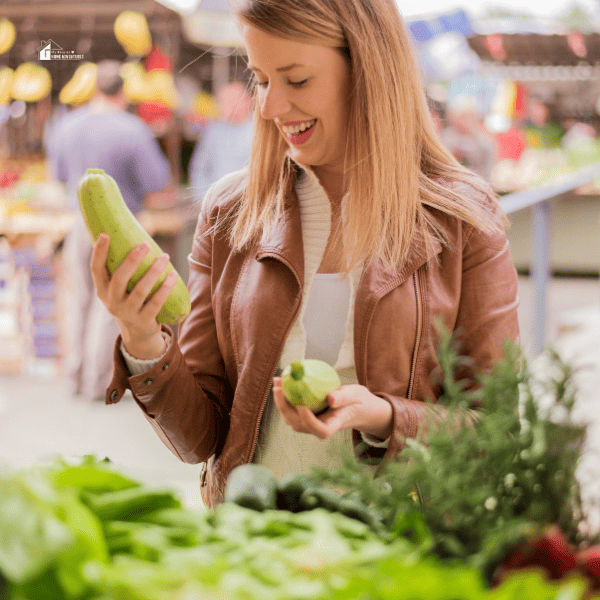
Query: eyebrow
<point x="280" y="70"/>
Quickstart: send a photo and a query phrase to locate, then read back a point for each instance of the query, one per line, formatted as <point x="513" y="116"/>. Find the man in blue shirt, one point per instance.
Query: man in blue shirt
<point x="101" y="135"/>
<point x="224" y="145"/>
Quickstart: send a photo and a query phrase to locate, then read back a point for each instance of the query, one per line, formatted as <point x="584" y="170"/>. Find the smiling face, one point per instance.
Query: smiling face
<point x="304" y="89"/>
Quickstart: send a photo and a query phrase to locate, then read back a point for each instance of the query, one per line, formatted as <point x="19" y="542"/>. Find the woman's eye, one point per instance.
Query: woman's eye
<point x="262" y="83"/>
<point x="298" y="84"/>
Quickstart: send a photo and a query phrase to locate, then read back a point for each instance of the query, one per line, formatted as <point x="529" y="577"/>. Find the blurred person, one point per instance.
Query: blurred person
<point x="466" y="138"/>
<point x="224" y="144"/>
<point x="58" y="119"/>
<point x="101" y="135"/>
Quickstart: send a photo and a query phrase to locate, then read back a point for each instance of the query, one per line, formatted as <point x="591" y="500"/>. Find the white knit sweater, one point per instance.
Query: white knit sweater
<point x="279" y="447"/>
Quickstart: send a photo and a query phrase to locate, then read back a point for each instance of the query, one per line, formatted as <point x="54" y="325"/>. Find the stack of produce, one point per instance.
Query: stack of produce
<point x="490" y="511"/>
<point x="43" y="324"/>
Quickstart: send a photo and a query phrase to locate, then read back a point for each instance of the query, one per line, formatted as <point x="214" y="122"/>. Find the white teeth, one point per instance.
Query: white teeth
<point x="294" y="129"/>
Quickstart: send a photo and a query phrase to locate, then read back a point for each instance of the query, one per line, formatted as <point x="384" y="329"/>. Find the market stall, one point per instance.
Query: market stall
<point x="48" y="56"/>
<point x="549" y="78"/>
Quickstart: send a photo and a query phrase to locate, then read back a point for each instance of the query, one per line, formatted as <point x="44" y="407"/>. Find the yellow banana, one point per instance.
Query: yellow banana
<point x="132" y="32"/>
<point x="6" y="79"/>
<point x="81" y="87"/>
<point x="8" y="35"/>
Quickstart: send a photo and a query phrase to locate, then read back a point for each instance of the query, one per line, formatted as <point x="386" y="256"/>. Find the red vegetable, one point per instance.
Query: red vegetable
<point x="589" y="561"/>
<point x="551" y="552"/>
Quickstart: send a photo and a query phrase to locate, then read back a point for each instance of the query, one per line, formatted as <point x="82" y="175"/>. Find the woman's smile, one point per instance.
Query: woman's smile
<point x="299" y="132"/>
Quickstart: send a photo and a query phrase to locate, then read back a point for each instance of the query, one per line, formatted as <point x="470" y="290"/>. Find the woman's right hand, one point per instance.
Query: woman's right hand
<point x="135" y="316"/>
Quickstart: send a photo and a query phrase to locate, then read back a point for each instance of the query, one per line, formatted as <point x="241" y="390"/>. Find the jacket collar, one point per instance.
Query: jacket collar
<point x="285" y="237"/>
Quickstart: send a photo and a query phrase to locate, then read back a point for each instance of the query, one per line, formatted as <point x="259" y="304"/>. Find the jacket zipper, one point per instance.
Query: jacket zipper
<point x="417" y="337"/>
<point x="264" y="402"/>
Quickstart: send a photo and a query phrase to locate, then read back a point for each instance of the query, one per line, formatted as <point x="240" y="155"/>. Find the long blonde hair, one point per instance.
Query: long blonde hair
<point x="395" y="166"/>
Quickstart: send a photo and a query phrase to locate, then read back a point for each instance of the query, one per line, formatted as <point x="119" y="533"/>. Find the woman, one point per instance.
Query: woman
<point x="350" y="232"/>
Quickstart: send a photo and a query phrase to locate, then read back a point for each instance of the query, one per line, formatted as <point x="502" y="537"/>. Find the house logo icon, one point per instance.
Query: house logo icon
<point x="46" y="49"/>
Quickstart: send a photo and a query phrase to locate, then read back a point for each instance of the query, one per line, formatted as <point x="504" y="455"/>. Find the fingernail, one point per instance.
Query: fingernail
<point x="104" y="238"/>
<point x="172" y="276"/>
<point x="164" y="258"/>
<point x="143" y="248"/>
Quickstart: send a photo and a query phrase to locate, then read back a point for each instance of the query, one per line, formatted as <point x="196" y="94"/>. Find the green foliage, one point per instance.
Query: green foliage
<point x="481" y="481"/>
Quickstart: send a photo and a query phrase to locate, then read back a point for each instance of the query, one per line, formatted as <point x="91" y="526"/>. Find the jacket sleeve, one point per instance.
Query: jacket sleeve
<point x="485" y="319"/>
<point x="186" y="405"/>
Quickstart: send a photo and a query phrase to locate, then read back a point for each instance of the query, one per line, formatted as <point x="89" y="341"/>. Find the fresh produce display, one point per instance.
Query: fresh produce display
<point x="80" y="530"/>
<point x="488" y="509"/>
<point x="307" y="382"/>
<point x="132" y="32"/>
<point x="105" y="211"/>
<point x="484" y="486"/>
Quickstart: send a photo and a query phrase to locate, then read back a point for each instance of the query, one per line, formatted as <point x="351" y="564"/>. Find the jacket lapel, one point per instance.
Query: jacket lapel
<point x="285" y="238"/>
<point x="379" y="280"/>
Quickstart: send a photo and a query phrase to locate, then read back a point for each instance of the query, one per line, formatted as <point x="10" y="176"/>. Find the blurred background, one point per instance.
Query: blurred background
<point x="514" y="90"/>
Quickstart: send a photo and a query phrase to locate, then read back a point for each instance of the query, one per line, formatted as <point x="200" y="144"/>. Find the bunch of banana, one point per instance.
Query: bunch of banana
<point x="6" y="79"/>
<point x="132" y="32"/>
<point x="81" y="87"/>
<point x="31" y="82"/>
<point x="8" y="34"/>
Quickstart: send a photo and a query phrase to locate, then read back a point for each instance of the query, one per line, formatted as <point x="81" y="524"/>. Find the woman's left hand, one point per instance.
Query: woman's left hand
<point x="350" y="407"/>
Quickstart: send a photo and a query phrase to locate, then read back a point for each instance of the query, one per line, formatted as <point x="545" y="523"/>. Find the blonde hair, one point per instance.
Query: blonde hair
<point x="395" y="166"/>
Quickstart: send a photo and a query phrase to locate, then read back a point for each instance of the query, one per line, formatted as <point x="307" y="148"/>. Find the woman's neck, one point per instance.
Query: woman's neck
<point x="333" y="183"/>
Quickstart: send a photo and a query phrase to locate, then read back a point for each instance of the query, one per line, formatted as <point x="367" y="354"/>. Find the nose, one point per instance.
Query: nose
<point x="273" y="102"/>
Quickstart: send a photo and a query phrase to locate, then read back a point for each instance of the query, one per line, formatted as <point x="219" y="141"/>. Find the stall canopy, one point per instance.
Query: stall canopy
<point x="556" y="62"/>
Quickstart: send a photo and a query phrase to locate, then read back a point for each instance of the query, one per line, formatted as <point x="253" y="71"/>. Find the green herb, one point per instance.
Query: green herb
<point x="483" y="481"/>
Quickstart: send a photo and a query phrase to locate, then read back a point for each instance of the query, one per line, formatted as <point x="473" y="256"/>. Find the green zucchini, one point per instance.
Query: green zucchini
<point x="105" y="211"/>
<point x="289" y="490"/>
<point x="320" y="497"/>
<point x="252" y="486"/>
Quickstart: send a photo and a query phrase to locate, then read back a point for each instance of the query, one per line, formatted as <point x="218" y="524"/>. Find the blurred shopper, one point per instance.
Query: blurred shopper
<point x="59" y="119"/>
<point x="467" y="139"/>
<point x="224" y="145"/>
<point x="102" y="135"/>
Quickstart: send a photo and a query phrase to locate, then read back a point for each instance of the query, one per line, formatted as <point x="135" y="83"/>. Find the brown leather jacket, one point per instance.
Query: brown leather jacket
<point x="206" y="396"/>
